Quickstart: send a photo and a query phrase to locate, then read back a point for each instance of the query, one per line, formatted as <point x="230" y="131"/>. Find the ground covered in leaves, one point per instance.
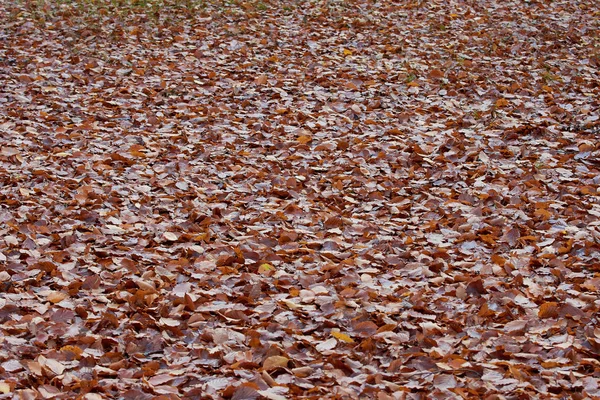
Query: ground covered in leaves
<point x="326" y="199"/>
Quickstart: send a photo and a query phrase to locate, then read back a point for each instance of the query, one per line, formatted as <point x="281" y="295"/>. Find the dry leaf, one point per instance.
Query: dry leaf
<point x="56" y="297"/>
<point x="5" y="388"/>
<point x="55" y="366"/>
<point x="342" y="336"/>
<point x="548" y="310"/>
<point x="247" y="200"/>
<point x="304" y="139"/>
<point x="261" y="80"/>
<point x="170" y="236"/>
<point x="274" y="362"/>
<point x="169" y="322"/>
<point x="444" y="382"/>
<point x="327" y="345"/>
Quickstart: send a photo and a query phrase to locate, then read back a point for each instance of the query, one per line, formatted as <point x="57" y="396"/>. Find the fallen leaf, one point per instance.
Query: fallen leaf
<point x="327" y="345"/>
<point x="444" y="382"/>
<point x="56" y="297"/>
<point x="170" y="236"/>
<point x="55" y="366"/>
<point x="304" y="139"/>
<point x="261" y="80"/>
<point x="342" y="336"/>
<point x="5" y="388"/>
<point x="274" y="362"/>
<point x="548" y="310"/>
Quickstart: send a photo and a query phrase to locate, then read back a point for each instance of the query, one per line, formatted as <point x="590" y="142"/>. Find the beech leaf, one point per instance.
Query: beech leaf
<point x="274" y="362"/>
<point x="293" y="199"/>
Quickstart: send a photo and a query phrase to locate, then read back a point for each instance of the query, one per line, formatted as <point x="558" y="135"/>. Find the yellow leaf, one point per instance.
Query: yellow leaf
<point x="4" y="388"/>
<point x="342" y="336"/>
<point x="72" y="349"/>
<point x="266" y="269"/>
<point x="347" y="52"/>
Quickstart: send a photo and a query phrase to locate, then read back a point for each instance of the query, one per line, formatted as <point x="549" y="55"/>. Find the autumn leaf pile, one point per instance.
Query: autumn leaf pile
<point x="311" y="199"/>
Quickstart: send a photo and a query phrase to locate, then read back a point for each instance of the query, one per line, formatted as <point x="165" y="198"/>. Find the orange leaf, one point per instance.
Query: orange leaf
<point x="485" y="311"/>
<point x="545" y="214"/>
<point x="548" y="310"/>
<point x="566" y="248"/>
<point x="387" y="328"/>
<point x="304" y="139"/>
<point x="489" y="239"/>
<point x="136" y="150"/>
<point x="75" y="350"/>
<point x="496" y="259"/>
<point x="501" y="103"/>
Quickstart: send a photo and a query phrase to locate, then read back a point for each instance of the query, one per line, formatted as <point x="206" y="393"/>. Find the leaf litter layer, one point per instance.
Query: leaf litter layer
<point x="330" y="199"/>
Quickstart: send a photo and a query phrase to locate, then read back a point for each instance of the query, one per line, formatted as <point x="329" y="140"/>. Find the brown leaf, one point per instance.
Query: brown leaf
<point x="365" y="329"/>
<point x="245" y="392"/>
<point x="444" y="382"/>
<point x="436" y="73"/>
<point x="261" y="80"/>
<point x="56" y="297"/>
<point x="548" y="310"/>
<point x="161" y="379"/>
<point x="304" y="139"/>
<point x="274" y="362"/>
<point x="475" y="287"/>
<point x="501" y="103"/>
